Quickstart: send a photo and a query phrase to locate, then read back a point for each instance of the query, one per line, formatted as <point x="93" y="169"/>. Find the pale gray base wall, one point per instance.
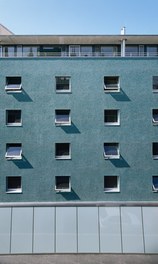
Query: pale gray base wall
<point x="78" y="229"/>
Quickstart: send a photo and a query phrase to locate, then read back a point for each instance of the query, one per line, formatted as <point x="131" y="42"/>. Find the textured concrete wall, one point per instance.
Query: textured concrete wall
<point x="87" y="134"/>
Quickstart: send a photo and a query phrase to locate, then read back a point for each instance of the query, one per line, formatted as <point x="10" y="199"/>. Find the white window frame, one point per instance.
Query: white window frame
<point x="62" y="189"/>
<point x="63" y="157"/>
<point x="15" y="123"/>
<point x="13" y="88"/>
<point x="63" y="123"/>
<point x="117" y="123"/>
<point x="117" y="189"/>
<point x="153" y="187"/>
<point x="13" y="190"/>
<point x="62" y="90"/>
<point x="13" y="157"/>
<point x="112" y="156"/>
<point x="112" y="87"/>
<point x="154" y="122"/>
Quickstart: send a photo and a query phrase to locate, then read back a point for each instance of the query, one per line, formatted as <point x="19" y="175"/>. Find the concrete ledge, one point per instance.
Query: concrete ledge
<point x="79" y="259"/>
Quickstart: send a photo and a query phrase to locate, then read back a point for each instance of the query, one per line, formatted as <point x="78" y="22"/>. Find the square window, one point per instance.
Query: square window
<point x="63" y="84"/>
<point x="111" y="117"/>
<point x="13" y="151"/>
<point x="155" y="83"/>
<point x="62" y="151"/>
<point x="13" y="117"/>
<point x="13" y="84"/>
<point x="111" y="184"/>
<point x="62" y="117"/>
<point x="155" y="183"/>
<point x="155" y="150"/>
<point x="111" y="84"/>
<point x="155" y="116"/>
<point x="62" y="184"/>
<point x="111" y="151"/>
<point x="13" y="184"/>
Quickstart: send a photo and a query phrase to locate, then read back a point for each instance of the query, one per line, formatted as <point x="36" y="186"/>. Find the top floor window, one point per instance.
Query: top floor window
<point x="86" y="51"/>
<point x="111" y="83"/>
<point x="63" y="84"/>
<point x="30" y="51"/>
<point x="152" y="51"/>
<point x="74" y="50"/>
<point x="13" y="84"/>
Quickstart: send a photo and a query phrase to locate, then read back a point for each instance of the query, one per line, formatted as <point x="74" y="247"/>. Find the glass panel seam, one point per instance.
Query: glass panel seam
<point x="121" y="230"/>
<point x="143" y="229"/>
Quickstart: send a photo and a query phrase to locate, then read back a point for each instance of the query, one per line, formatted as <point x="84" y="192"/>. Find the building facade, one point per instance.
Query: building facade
<point x="79" y="144"/>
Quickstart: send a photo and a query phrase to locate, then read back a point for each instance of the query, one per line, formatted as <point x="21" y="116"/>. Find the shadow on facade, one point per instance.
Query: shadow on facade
<point x="121" y="96"/>
<point x="23" y="164"/>
<point x="70" y="196"/>
<point x="22" y="97"/>
<point x="120" y="163"/>
<point x="71" y="129"/>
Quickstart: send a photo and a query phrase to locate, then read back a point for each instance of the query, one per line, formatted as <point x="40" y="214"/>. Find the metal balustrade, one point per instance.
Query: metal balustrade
<point x="78" y="54"/>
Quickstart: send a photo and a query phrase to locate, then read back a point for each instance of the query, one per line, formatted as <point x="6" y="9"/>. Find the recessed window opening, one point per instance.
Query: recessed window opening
<point x="111" y="184"/>
<point x="62" y="151"/>
<point x="62" y="184"/>
<point x="155" y="183"/>
<point x="111" y="117"/>
<point x="13" y="184"/>
<point x="111" y="83"/>
<point x="155" y="116"/>
<point x="13" y="84"/>
<point x="62" y="117"/>
<point x="13" y="117"/>
<point x="155" y="83"/>
<point x="111" y="151"/>
<point x="155" y="150"/>
<point x="13" y="151"/>
<point x="63" y="84"/>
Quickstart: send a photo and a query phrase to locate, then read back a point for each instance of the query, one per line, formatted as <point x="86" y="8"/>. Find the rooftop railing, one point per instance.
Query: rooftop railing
<point x="78" y="54"/>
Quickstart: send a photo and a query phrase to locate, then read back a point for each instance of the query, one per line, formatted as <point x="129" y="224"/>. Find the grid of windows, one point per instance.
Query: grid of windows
<point x="62" y="117"/>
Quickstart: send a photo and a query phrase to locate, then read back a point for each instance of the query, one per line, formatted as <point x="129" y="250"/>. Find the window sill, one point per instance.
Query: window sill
<point x="63" y="92"/>
<point x="111" y="157"/>
<point x="112" y="124"/>
<point x="63" y="158"/>
<point x="112" y="191"/>
<point x="14" y="125"/>
<point x="13" y="158"/>
<point x="12" y="192"/>
<point x="62" y="190"/>
<point x="62" y="124"/>
<point x="13" y="91"/>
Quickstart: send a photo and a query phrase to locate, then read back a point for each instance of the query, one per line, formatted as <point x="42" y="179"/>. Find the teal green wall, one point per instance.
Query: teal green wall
<point x="87" y="102"/>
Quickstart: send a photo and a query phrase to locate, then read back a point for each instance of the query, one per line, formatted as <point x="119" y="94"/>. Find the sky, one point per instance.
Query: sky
<point x="79" y="17"/>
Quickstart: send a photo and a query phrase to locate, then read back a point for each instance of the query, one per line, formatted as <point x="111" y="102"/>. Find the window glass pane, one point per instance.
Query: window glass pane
<point x="86" y="50"/>
<point x="155" y="149"/>
<point x="111" y="183"/>
<point x="111" y="116"/>
<point x="155" y="182"/>
<point x="111" y="149"/>
<point x="62" y="116"/>
<point x="74" y="50"/>
<point x="13" y="116"/>
<point x="155" y="82"/>
<point x="62" y="182"/>
<point x="30" y="51"/>
<point x="155" y="115"/>
<point x="62" y="149"/>
<point x="9" y="51"/>
<point x="62" y="83"/>
<point x="131" y="50"/>
<point x="152" y="50"/>
<point x="13" y="184"/>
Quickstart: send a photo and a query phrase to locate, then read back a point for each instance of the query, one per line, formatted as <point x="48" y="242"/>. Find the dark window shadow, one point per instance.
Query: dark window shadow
<point x="70" y="196"/>
<point x="71" y="129"/>
<point x="22" y="97"/>
<point x="23" y="164"/>
<point x="120" y="96"/>
<point x="120" y="163"/>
